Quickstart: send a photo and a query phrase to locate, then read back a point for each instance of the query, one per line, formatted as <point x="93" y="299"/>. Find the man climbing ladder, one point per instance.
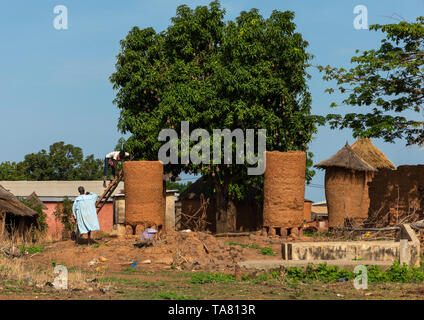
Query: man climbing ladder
<point x="111" y="161"/>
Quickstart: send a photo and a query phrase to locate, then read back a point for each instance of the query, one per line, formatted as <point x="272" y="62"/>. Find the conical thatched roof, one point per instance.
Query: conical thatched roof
<point x="35" y="201"/>
<point x="371" y="154"/>
<point x="10" y="204"/>
<point x="348" y="159"/>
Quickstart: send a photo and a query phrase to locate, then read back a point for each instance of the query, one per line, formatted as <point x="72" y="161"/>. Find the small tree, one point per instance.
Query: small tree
<point x="63" y="213"/>
<point x="41" y="224"/>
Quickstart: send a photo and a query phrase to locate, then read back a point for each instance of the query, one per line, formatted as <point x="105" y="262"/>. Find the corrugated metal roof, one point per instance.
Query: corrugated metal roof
<point x="321" y="203"/>
<point x="55" y="189"/>
<point x="319" y="208"/>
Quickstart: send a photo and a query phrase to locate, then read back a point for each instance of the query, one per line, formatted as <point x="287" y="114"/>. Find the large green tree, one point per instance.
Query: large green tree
<point x="249" y="73"/>
<point x="390" y="80"/>
<point x="62" y="162"/>
<point x="9" y="171"/>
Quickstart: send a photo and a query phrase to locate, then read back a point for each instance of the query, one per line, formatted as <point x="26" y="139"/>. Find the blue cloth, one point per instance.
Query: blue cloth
<point x="84" y="210"/>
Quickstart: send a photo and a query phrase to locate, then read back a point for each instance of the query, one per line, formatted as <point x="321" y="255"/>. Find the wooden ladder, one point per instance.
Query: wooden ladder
<point x="109" y="191"/>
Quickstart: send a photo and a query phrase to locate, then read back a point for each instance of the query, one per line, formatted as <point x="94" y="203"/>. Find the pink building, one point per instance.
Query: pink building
<point x="52" y="193"/>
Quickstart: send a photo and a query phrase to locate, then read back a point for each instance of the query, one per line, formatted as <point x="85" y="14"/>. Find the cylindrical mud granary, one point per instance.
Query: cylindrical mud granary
<point x="346" y="187"/>
<point x="347" y="197"/>
<point x="284" y="189"/>
<point x="144" y="193"/>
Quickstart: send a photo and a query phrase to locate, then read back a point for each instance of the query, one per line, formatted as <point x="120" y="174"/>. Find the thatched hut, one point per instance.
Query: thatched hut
<point x="35" y="201"/>
<point x="371" y="154"/>
<point x="346" y="187"/>
<point x="14" y="215"/>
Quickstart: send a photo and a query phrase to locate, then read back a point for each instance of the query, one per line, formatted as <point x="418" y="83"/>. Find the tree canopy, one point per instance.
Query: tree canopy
<point x="389" y="79"/>
<point x="249" y="73"/>
<point x="62" y="162"/>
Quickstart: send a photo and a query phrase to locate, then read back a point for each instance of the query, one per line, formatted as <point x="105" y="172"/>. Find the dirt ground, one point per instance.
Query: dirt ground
<point x="113" y="268"/>
<point x="177" y="251"/>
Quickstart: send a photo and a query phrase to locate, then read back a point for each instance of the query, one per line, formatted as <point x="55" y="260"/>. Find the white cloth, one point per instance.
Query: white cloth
<point x="115" y="155"/>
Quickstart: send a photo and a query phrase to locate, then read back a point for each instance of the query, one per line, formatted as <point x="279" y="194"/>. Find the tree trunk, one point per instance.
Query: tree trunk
<point x="221" y="209"/>
<point x="231" y="216"/>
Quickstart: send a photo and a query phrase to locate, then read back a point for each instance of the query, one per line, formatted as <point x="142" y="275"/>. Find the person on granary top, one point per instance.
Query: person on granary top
<point x="111" y="161"/>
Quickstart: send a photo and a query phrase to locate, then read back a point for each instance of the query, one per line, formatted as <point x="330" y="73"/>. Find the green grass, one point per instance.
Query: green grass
<point x="31" y="249"/>
<point x="317" y="234"/>
<point x="129" y="270"/>
<point x="328" y="274"/>
<point x="262" y="278"/>
<point x="267" y="251"/>
<point x="174" y="296"/>
<point x="132" y="281"/>
<point x="201" y="278"/>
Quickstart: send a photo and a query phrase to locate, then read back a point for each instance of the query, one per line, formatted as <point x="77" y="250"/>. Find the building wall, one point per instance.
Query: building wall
<point x="249" y="216"/>
<point x="55" y="228"/>
<point x="395" y="194"/>
<point x="307" y="208"/>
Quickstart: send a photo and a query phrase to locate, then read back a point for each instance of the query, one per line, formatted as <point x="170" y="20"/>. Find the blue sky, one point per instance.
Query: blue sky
<point x="54" y="83"/>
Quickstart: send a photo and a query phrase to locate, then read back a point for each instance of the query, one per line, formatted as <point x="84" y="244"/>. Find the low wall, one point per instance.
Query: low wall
<point x="407" y="250"/>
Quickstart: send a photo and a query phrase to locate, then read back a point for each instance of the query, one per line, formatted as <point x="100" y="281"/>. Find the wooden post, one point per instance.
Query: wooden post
<point x="21" y="229"/>
<point x="3" y="224"/>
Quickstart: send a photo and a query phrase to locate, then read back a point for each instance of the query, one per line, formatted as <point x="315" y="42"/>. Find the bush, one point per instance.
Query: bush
<point x="41" y="223"/>
<point x="64" y="214"/>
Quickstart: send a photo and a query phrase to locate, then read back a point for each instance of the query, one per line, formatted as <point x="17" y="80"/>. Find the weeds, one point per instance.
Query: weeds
<point x="201" y="278"/>
<point x="309" y="233"/>
<point x="394" y="274"/>
<point x="30" y="250"/>
<point x="267" y="251"/>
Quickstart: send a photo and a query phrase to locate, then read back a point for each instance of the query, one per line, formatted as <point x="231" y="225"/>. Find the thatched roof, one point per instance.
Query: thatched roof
<point x="346" y="158"/>
<point x="35" y="201"/>
<point x="10" y="204"/>
<point x="371" y="154"/>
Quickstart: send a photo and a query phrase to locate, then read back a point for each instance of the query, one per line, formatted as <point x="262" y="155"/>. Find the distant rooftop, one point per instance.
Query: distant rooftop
<point x="55" y="190"/>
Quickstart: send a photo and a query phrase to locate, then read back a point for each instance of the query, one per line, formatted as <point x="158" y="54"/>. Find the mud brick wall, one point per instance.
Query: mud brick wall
<point x="395" y="194"/>
<point x="249" y="216"/>
<point x="284" y="189"/>
<point x="144" y="194"/>
<point x="347" y="196"/>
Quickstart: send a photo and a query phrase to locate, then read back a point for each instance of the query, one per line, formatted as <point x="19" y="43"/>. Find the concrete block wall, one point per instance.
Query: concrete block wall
<point x="406" y="250"/>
